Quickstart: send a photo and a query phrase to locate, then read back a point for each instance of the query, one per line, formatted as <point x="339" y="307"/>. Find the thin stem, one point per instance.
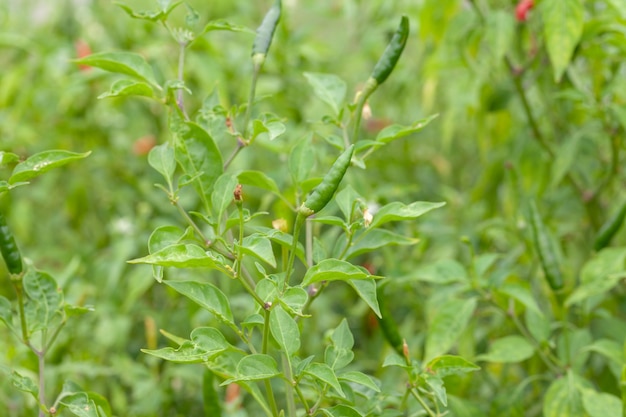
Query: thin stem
<point x="42" y="381"/>
<point x="20" y="302"/>
<point x="367" y="91"/>
<point x="308" y="233"/>
<point x="246" y="120"/>
<point x="291" y="403"/>
<point x="420" y="400"/>
<point x="303" y="399"/>
<point x="189" y="220"/>
<point x="265" y="344"/>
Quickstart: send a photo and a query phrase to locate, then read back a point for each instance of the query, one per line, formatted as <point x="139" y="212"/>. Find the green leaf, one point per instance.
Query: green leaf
<point x="446" y="365"/>
<point x="300" y="161"/>
<point x="221" y="24"/>
<point x="339" y="354"/>
<point x="8" y="158"/>
<point x="610" y="349"/>
<point x="284" y="330"/>
<point x="267" y="130"/>
<point x="199" y="156"/>
<point x="599" y="404"/>
<point x="260" y="247"/>
<point x="258" y="179"/>
<point x="565" y="158"/>
<point x="373" y="239"/>
<point x="366" y="289"/>
<point x="563" y="399"/>
<point x="397" y="211"/>
<point x="25" y="384"/>
<point x="446" y="325"/>
<point x="222" y="195"/>
<point x="6" y="312"/>
<point x="207" y="296"/>
<point x="443" y="271"/>
<point x="508" y="349"/>
<point x="122" y="63"/>
<point x="163" y="237"/>
<point x="325" y="374"/>
<point x="74" y="311"/>
<point x="205" y="343"/>
<point x="43" y="162"/>
<point x="294" y="300"/>
<point x="359" y="378"/>
<point x="254" y="368"/>
<point x="435" y="383"/>
<point x="45" y="299"/>
<point x="393" y="132"/>
<point x="619" y="7"/>
<point x="122" y="88"/>
<point x="181" y="256"/>
<point x="563" y="26"/>
<point x="600" y="274"/>
<point x="334" y="270"/>
<point x="345" y="199"/>
<point x="341" y="410"/>
<point x="161" y="158"/>
<point x="329" y="88"/>
<point x="150" y="16"/>
<point x="521" y="293"/>
<point x="80" y="405"/>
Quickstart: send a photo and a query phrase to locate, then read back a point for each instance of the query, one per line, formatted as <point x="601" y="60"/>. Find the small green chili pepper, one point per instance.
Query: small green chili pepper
<point x="265" y="34"/>
<point x="322" y="194"/>
<point x="390" y="57"/>
<point x="545" y="249"/>
<point x="9" y="249"/>
<point x="610" y="228"/>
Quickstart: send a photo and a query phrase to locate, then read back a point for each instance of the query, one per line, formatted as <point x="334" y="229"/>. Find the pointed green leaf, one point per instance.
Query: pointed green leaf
<point x="284" y="330"/>
<point x="150" y="16"/>
<point x="563" y="26"/>
<point x="294" y="300"/>
<point x="334" y="270"/>
<point x="340" y="354"/>
<point x="599" y="404"/>
<point x="80" y="405"/>
<point x="161" y="158"/>
<point x="359" y="378"/>
<point x="300" y="161"/>
<point x="397" y="211"/>
<point x="258" y="179"/>
<point x="25" y="384"/>
<point x="325" y="374"/>
<point x="341" y="410"/>
<point x="521" y="293"/>
<point x="329" y="88"/>
<point x="600" y="274"/>
<point x="206" y="295"/>
<point x="254" y="368"/>
<point x="563" y="399"/>
<point x="205" y="343"/>
<point x="122" y="63"/>
<point x="222" y="195"/>
<point x="446" y="326"/>
<point x="446" y="365"/>
<point x="45" y="298"/>
<point x="122" y="88"/>
<point x="435" y="383"/>
<point x="199" y="157"/>
<point x="221" y="24"/>
<point x="163" y="237"/>
<point x="8" y="158"/>
<point x="260" y="247"/>
<point x="508" y="349"/>
<point x="393" y="132"/>
<point x="366" y="289"/>
<point x="42" y="162"/>
<point x="181" y="256"/>
<point x="374" y="239"/>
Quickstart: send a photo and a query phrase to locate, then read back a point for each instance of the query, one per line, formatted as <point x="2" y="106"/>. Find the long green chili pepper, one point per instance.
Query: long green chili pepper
<point x="265" y="34"/>
<point x="9" y="249"/>
<point x="387" y="324"/>
<point x="390" y="57"/>
<point x="545" y="249"/>
<point x="610" y="228"/>
<point x="322" y="194"/>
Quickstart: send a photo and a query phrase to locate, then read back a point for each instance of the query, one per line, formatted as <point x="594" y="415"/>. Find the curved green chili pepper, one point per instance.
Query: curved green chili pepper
<point x="390" y="57"/>
<point x="322" y="194"/>
<point x="265" y="34"/>
<point x="610" y="228"/>
<point x="545" y="249"/>
<point x="9" y="249"/>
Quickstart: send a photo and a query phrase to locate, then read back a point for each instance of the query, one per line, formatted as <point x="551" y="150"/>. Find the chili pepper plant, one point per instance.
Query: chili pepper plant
<point x="257" y="272"/>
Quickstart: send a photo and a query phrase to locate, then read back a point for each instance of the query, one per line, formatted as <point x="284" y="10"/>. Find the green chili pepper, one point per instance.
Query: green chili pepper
<point x="392" y="53"/>
<point x="322" y="194"/>
<point x="610" y="228"/>
<point x="9" y="249"/>
<point x="545" y="249"/>
<point x="387" y="324"/>
<point x="265" y="33"/>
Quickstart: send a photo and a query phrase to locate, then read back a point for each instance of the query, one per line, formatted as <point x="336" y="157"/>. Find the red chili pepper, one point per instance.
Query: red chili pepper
<point x="522" y="9"/>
